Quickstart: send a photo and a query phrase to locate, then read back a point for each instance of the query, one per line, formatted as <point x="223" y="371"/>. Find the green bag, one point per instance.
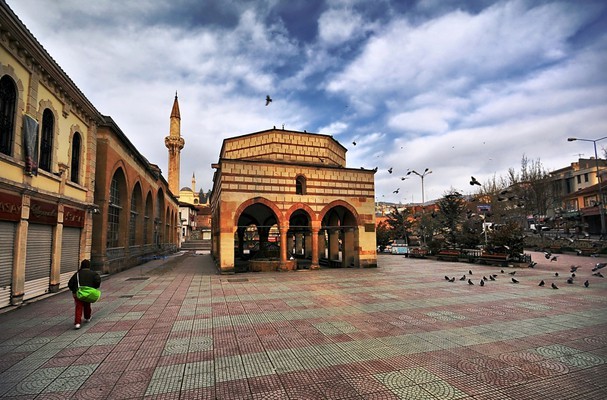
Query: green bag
<point x="88" y="294"/>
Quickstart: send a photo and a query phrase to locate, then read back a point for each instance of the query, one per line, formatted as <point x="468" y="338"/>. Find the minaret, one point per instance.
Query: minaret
<point x="174" y="142"/>
<point x="193" y="183"/>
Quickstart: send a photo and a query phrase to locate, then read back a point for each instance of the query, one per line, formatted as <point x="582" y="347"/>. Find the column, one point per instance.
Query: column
<point x="314" y="246"/>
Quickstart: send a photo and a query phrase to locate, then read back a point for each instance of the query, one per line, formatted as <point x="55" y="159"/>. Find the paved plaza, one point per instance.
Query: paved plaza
<point x="173" y="329"/>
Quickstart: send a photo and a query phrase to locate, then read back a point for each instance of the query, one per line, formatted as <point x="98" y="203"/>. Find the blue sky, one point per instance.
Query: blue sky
<point x="460" y="87"/>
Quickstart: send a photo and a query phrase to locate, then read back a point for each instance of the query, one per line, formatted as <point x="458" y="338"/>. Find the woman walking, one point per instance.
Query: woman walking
<point x="83" y="277"/>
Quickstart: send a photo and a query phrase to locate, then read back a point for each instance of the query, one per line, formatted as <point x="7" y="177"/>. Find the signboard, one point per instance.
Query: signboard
<point x="43" y="213"/>
<point x="73" y="217"/>
<point x="10" y="207"/>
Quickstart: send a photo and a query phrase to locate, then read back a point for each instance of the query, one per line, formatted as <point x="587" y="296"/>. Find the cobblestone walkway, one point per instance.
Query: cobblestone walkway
<point x="170" y="330"/>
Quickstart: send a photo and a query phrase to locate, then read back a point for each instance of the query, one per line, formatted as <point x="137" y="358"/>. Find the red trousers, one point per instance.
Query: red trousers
<point x="81" y="306"/>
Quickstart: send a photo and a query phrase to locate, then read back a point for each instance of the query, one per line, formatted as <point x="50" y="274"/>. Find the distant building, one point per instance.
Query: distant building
<point x="291" y="191"/>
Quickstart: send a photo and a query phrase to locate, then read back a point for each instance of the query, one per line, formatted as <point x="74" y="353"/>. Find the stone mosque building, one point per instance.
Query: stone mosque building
<point x="285" y="199"/>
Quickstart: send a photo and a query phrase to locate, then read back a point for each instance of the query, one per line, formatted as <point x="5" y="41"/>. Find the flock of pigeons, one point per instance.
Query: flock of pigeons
<point x="493" y="277"/>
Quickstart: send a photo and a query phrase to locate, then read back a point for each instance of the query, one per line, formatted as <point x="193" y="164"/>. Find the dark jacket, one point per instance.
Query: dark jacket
<point x="87" y="277"/>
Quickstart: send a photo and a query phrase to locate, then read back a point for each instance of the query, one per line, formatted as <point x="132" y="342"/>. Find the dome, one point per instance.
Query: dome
<point x="185" y="189"/>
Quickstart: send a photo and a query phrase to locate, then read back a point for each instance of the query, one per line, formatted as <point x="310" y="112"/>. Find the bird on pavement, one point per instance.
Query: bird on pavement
<point x="514" y="280"/>
<point x="586" y="284"/>
<point x="573" y="274"/>
<point x="452" y="279"/>
<point x="446" y="278"/>
<point x="556" y="274"/>
<point x="554" y="286"/>
<point x="574" y="268"/>
<point x="482" y="282"/>
<point x="554" y="258"/>
<point x="532" y="264"/>
<point x="598" y="274"/>
<point x="541" y="283"/>
<point x="547" y="254"/>
<point x="268" y="100"/>
<point x="512" y="273"/>
<point x="570" y="281"/>
<point x="484" y="278"/>
<point x="470" y="282"/>
<point x="491" y="277"/>
<point x="463" y="278"/>
<point x="470" y="272"/>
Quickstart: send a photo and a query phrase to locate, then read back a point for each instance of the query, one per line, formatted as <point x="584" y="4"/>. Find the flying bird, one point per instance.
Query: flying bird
<point x="390" y="170"/>
<point x="542" y="283"/>
<point x="514" y="280"/>
<point x="396" y="191"/>
<point x="473" y="181"/>
<point x="554" y="286"/>
<point x="354" y="143"/>
<point x="268" y="100"/>
<point x="586" y="284"/>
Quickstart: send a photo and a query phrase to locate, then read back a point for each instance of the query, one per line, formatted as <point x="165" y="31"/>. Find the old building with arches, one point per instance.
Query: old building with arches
<point x="139" y="216"/>
<point x="285" y="200"/>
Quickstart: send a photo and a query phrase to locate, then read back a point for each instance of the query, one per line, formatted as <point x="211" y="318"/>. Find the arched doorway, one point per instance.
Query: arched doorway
<point x="338" y="241"/>
<point x="299" y="238"/>
<point x="257" y="236"/>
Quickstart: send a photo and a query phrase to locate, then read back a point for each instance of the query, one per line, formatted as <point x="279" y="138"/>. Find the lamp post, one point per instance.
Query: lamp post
<point x="598" y="178"/>
<point x="422" y="176"/>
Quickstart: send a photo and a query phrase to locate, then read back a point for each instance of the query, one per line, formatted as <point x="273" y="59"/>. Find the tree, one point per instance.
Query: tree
<point x="400" y="223"/>
<point x="382" y="235"/>
<point x="451" y="210"/>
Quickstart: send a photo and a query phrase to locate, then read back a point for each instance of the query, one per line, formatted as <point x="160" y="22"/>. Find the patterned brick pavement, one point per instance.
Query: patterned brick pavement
<point x="174" y="330"/>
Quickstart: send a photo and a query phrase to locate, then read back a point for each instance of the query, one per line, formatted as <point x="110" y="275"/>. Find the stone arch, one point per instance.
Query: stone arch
<point x="148" y="219"/>
<point x="339" y="226"/>
<point x="333" y="204"/>
<point x="260" y="200"/>
<point x="76" y="161"/>
<point x="117" y="215"/>
<point x="301" y="206"/>
<point x="136" y="215"/>
<point x="9" y="71"/>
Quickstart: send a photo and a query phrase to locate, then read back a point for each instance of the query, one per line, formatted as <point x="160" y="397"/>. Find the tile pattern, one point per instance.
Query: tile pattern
<point x="397" y="332"/>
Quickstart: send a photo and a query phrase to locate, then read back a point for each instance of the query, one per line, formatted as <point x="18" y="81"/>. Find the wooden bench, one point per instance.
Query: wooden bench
<point x="586" y="251"/>
<point x="499" y="259"/>
<point x="416" y="252"/>
<point x="448" y="255"/>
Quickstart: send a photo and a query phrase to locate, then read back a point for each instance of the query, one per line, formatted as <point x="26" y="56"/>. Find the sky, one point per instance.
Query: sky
<point x="463" y="88"/>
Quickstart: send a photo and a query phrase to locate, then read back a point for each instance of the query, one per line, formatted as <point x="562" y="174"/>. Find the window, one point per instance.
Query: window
<point x="300" y="185"/>
<point x="586" y="177"/>
<point x="579" y="179"/>
<point x="113" y="216"/>
<point x="46" y="141"/>
<point x="8" y="99"/>
<point x="75" y="163"/>
<point x="133" y="220"/>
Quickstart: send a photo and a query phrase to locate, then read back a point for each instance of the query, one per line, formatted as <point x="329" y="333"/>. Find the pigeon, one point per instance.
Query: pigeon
<point x="554" y="286"/>
<point x="542" y="283"/>
<point x="473" y="181"/>
<point x="484" y="278"/>
<point x="533" y="264"/>
<point x="396" y="191"/>
<point x="463" y="278"/>
<point x="554" y="258"/>
<point x="470" y="282"/>
<point x="502" y="271"/>
<point x="482" y="282"/>
<point x="586" y="284"/>
<point x="574" y="268"/>
<point x="514" y="280"/>
<point x="512" y="273"/>
<point x="598" y="274"/>
<point x="452" y="279"/>
<point x="390" y="170"/>
<point x="470" y="272"/>
<point x="268" y="100"/>
<point x="491" y="277"/>
<point x="494" y="275"/>
<point x="547" y="254"/>
<point x="556" y="274"/>
<point x="446" y="278"/>
<point x="573" y="275"/>
<point x="354" y="143"/>
<point x="570" y="281"/>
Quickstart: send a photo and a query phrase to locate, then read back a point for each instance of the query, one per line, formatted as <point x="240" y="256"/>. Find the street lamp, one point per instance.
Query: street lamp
<point x="598" y="177"/>
<point x="422" y="176"/>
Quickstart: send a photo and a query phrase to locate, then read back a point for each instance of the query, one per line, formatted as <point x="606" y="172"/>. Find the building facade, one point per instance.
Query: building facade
<point x="291" y="194"/>
<point x="139" y="216"/>
<point x="47" y="168"/>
